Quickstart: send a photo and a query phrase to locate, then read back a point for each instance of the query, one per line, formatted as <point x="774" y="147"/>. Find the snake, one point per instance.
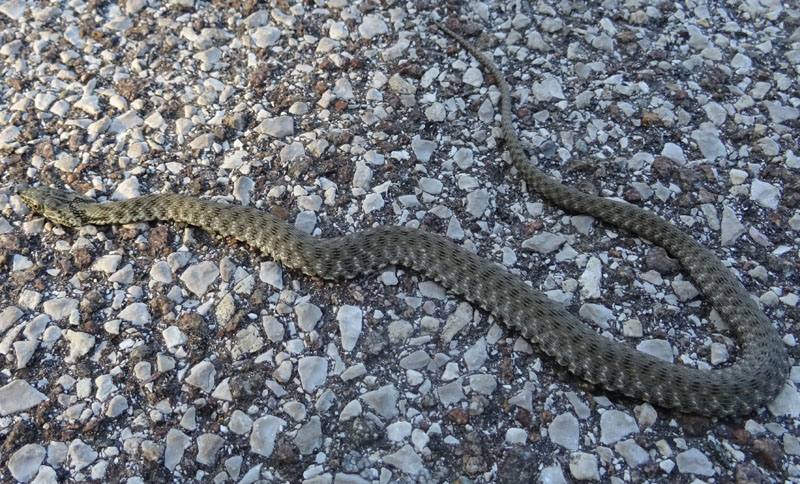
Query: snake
<point x="754" y="379"/>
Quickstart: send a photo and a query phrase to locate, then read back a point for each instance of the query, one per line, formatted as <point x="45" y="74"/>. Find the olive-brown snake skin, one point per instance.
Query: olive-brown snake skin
<point x="754" y="379"/>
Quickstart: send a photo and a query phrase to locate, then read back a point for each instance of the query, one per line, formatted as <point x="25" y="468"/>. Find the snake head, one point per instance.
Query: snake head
<point x="56" y="205"/>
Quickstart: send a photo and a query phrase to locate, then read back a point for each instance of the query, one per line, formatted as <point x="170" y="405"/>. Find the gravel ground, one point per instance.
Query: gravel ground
<point x="161" y="353"/>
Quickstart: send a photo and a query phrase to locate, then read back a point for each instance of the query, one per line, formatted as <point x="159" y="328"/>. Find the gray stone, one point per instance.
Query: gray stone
<point x="473" y="77"/>
<point x="309" y="436"/>
<point x="709" y="143"/>
<point x="177" y="443"/>
<point x="372" y="25"/>
<point x="136" y="313"/>
<point x="202" y="376"/>
<point x="544" y="242"/>
<point x="406" y="460"/>
<point x="80" y="454"/>
<point x="278" y="127"/>
<point x="483" y="384"/>
<point x="313" y="371"/>
<point x="265" y="429"/>
<point x="476" y="355"/>
<point x="415" y="361"/>
<point x="786" y="403"/>
<point x="80" y="344"/>
<point x="240" y="422"/>
<point x="633" y="454"/>
<point x="198" y="277"/>
<point x="564" y="431"/>
<point x="552" y="475"/>
<point x="765" y="194"/>
<point x="450" y="393"/>
<point x="24" y="463"/>
<point x="547" y="89"/>
<point x="272" y="274"/>
<point x="583" y="466"/>
<point x="693" y="461"/>
<point x="350" y="323"/>
<point x="591" y="278"/>
<point x="423" y="149"/>
<point x="659" y="348"/>
<point x="730" y="227"/>
<point x="207" y="447"/>
<point x="615" y="425"/>
<point x="383" y="401"/>
<point x="477" y="202"/>
<point x="60" y="308"/>
<point x="117" y="406"/>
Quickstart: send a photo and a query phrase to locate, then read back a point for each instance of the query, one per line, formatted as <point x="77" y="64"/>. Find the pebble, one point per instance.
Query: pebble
<point x="544" y="242"/>
<point x="659" y="348"/>
<point x="583" y="466"/>
<point x="350" y="323"/>
<point x="383" y="401"/>
<point x="277" y="127"/>
<point x="674" y="153"/>
<point x="707" y="139"/>
<point x="765" y="194"/>
<point x="176" y="444"/>
<point x="787" y="402"/>
<point x="198" y="277"/>
<point x="633" y="454"/>
<point x="547" y="89"/>
<point x="80" y="344"/>
<point x="80" y="454"/>
<point x="371" y="26"/>
<point x="136" y="313"/>
<point x="450" y="393"/>
<point x="202" y="376"/>
<point x="24" y="463"/>
<point x="473" y="77"/>
<point x="308" y="315"/>
<point x="476" y="355"/>
<point x="693" y="461"/>
<point x="60" y="308"/>
<point x="309" y="436"/>
<point x="415" y="361"/>
<point x="591" y="278"/>
<point x="240" y="423"/>
<point x="313" y="371"/>
<point x="598" y="314"/>
<point x="516" y="436"/>
<point x="564" y="431"/>
<point x="778" y="112"/>
<point x="351" y="410"/>
<point x="107" y="263"/>
<point x="208" y="445"/>
<point x="730" y="227"/>
<point x="436" y="112"/>
<point x="423" y="149"/>
<point x="552" y="475"/>
<point x="372" y="202"/>
<point x="405" y="460"/>
<point x="271" y="273"/>
<point x="614" y="425"/>
<point x="477" y="202"/>
<point x="265" y="430"/>
<point x="430" y="185"/>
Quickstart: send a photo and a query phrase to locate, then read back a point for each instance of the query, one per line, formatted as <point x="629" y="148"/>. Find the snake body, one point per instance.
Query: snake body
<point x="752" y="380"/>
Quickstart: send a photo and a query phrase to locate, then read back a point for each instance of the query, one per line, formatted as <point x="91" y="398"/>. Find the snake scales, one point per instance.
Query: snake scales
<point x="754" y="379"/>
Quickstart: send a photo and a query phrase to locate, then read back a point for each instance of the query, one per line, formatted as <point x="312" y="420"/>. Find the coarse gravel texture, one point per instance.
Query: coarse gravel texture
<point x="161" y="353"/>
